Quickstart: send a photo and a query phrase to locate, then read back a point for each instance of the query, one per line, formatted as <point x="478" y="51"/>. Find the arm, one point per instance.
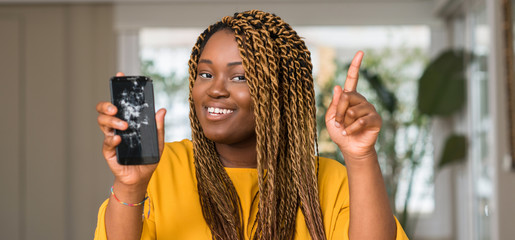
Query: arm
<point x="370" y="213"/>
<point x="130" y="184"/>
<point x="125" y="222"/>
<point x="353" y="124"/>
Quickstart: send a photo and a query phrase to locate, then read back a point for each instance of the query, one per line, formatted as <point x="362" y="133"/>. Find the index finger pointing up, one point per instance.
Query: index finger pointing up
<point x="353" y="74"/>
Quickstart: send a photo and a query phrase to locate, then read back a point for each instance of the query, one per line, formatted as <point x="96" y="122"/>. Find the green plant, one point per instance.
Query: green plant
<point x="441" y="93"/>
<point x="170" y="84"/>
<point x="404" y="139"/>
<point x="171" y="92"/>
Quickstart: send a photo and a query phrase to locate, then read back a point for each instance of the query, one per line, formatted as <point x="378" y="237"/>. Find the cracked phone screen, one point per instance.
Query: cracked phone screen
<point x="133" y="96"/>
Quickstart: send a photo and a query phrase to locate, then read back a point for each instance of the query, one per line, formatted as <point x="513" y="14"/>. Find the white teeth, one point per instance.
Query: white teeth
<point x="218" y="110"/>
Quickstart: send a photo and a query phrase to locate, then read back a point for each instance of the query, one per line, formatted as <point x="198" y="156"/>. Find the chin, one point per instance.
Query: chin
<point x="230" y="138"/>
<point x="217" y="137"/>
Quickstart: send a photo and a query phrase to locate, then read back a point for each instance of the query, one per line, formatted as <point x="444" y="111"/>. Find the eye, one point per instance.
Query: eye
<point x="239" y="79"/>
<point x="205" y="75"/>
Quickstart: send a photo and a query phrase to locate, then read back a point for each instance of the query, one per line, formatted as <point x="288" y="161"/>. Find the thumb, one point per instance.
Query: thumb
<point x="331" y="110"/>
<point x="160" y="124"/>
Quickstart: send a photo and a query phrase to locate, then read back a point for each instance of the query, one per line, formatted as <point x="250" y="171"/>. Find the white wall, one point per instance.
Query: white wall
<point x="55" y="64"/>
<point x="296" y="13"/>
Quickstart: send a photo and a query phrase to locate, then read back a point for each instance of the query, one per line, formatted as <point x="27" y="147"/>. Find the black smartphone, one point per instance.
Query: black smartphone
<point x="134" y="98"/>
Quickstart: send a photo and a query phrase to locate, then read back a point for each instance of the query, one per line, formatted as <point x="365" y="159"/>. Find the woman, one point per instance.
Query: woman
<point x="251" y="170"/>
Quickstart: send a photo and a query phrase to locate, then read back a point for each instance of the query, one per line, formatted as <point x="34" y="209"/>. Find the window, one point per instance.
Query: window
<point x="164" y="55"/>
<point x="480" y="166"/>
<point x="397" y="53"/>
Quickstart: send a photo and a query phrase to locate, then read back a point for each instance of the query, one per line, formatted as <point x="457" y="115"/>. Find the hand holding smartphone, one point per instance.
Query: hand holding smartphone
<point x="134" y="98"/>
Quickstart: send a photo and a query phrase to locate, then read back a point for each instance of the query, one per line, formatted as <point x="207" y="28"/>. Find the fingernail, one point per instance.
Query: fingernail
<point x="337" y="124"/>
<point x="110" y="108"/>
<point x="344" y="133"/>
<point x="121" y="124"/>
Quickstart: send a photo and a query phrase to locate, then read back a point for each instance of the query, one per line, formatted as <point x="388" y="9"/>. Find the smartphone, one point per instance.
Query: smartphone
<point x="134" y="98"/>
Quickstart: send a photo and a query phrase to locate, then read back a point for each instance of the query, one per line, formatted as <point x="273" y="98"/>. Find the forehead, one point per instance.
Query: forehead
<point x="221" y="45"/>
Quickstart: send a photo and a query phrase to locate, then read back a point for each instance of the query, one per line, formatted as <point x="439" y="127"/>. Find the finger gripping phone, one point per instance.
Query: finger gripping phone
<point x="134" y="98"/>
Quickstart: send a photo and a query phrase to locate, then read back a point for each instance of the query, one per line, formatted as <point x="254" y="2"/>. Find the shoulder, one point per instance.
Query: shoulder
<point x="176" y="161"/>
<point x="331" y="171"/>
<point x="333" y="185"/>
<point x="180" y="152"/>
<point x="180" y="147"/>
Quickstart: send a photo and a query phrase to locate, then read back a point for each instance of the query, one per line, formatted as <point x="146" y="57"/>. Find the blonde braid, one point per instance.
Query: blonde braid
<point x="223" y="212"/>
<point x="278" y="71"/>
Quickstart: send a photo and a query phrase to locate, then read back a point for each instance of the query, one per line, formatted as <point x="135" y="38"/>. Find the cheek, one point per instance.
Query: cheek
<point x="242" y="96"/>
<point x="245" y="103"/>
<point x="196" y="93"/>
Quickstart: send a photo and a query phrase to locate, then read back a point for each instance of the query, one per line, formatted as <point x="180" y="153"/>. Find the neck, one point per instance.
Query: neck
<point x="240" y="155"/>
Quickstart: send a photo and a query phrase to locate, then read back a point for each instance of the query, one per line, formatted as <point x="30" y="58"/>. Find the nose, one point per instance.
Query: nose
<point x="218" y="88"/>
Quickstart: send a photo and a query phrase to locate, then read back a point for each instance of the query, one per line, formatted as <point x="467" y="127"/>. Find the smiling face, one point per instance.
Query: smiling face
<point x="220" y="93"/>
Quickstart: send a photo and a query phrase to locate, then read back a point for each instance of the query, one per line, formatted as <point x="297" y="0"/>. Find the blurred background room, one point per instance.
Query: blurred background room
<point x="440" y="73"/>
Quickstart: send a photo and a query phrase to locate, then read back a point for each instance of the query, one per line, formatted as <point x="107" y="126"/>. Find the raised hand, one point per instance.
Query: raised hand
<point x="130" y="175"/>
<point x="352" y="122"/>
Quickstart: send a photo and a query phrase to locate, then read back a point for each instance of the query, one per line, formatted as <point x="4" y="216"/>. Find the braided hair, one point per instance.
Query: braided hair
<point x="278" y="70"/>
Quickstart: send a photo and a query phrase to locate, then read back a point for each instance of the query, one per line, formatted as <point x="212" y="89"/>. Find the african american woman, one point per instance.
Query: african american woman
<point x="252" y="170"/>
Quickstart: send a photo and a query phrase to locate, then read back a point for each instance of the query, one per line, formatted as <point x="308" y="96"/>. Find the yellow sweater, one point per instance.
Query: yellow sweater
<point x="175" y="211"/>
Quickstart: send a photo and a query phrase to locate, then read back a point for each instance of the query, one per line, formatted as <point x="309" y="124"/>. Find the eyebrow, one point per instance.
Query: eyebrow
<point x="205" y="61"/>
<point x="233" y="64"/>
<point x="228" y="64"/>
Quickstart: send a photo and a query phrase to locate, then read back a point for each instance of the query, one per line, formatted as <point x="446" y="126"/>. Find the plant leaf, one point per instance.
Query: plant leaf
<point x="387" y="97"/>
<point x="441" y="89"/>
<point x="455" y="150"/>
